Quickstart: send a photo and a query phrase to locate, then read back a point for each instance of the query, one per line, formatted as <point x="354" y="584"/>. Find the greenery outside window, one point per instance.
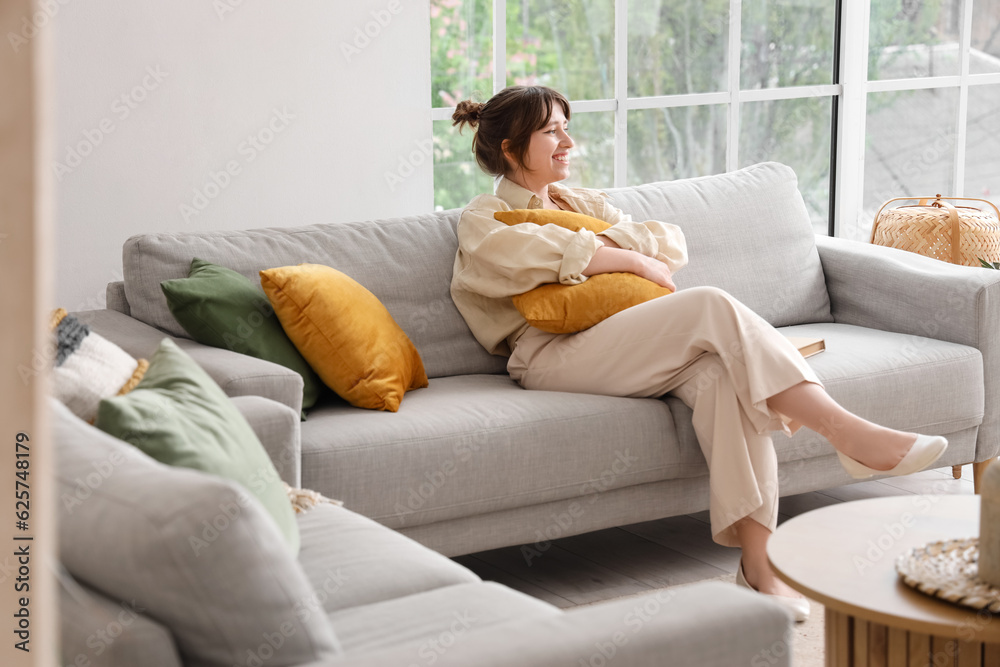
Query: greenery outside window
<point x="668" y="89"/>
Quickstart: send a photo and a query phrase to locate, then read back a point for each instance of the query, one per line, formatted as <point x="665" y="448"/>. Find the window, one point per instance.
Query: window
<point x="933" y="75"/>
<point x="668" y="89"/>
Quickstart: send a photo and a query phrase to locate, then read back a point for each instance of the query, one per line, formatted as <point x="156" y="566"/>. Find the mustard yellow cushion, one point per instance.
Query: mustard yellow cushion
<point x="571" y="220"/>
<point x="560" y="308"/>
<point x="346" y="334"/>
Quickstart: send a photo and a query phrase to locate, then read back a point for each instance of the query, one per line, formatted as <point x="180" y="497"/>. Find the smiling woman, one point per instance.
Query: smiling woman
<point x="504" y="142"/>
<point x="740" y="376"/>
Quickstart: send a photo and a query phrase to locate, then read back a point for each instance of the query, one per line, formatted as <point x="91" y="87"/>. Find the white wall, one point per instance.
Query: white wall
<point x="156" y="99"/>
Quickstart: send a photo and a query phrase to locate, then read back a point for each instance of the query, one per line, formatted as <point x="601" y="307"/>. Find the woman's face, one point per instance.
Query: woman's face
<point x="547" y="159"/>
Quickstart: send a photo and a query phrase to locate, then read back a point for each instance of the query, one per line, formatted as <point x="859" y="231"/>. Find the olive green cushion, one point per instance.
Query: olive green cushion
<point x="179" y="416"/>
<point x="222" y="308"/>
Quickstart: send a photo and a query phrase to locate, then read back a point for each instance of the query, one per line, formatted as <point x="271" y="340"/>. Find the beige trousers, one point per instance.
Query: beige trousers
<point x="709" y="350"/>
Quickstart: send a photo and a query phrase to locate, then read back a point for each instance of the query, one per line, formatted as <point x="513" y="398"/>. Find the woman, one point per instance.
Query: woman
<point x="740" y="376"/>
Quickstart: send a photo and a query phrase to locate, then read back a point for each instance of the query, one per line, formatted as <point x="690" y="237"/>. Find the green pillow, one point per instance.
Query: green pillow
<point x="222" y="308"/>
<point x="179" y="416"/>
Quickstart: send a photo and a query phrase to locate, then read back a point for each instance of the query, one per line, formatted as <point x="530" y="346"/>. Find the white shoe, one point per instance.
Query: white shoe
<point x="798" y="606"/>
<point x="925" y="450"/>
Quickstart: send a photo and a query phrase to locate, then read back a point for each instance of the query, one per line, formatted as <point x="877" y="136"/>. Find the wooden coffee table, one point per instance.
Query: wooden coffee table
<point x="843" y="556"/>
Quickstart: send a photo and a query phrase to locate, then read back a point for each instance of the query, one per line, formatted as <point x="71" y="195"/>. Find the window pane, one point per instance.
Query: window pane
<point x="457" y="177"/>
<point x="913" y="38"/>
<point x="565" y="44"/>
<point x="787" y="43"/>
<point x="677" y="46"/>
<point x="592" y="160"/>
<point x="796" y="133"/>
<point x="461" y="51"/>
<point x="982" y="157"/>
<point x="910" y="147"/>
<point x="678" y="142"/>
<point x="985" y="54"/>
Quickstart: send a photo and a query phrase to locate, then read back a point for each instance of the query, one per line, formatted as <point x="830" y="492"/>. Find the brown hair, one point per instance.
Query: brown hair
<point x="513" y="114"/>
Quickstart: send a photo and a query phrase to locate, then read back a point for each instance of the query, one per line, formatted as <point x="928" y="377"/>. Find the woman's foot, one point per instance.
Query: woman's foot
<point x="874" y="450"/>
<point x="755" y="571"/>
<point x="766" y="582"/>
<point x="876" y="447"/>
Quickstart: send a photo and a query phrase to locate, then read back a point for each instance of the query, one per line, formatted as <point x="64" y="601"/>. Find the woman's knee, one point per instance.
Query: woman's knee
<point x="710" y="299"/>
<point x="710" y="294"/>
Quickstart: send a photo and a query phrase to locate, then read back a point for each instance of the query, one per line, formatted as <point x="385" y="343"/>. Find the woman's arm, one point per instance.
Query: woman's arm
<point x="659" y="240"/>
<point x="497" y="260"/>
<point x="613" y="259"/>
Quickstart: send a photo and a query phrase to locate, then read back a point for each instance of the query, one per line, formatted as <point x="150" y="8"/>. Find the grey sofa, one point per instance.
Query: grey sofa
<point x="474" y="462"/>
<point x="168" y="566"/>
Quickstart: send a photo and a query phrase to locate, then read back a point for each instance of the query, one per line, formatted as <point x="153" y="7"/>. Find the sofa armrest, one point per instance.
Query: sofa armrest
<point x="278" y="428"/>
<point x="115" y="299"/>
<point x="706" y="624"/>
<point x="895" y="290"/>
<point x="237" y="374"/>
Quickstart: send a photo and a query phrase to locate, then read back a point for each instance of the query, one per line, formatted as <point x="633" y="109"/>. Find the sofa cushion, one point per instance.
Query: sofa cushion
<point x="480" y="443"/>
<point x="219" y="307"/>
<point x="89" y="367"/>
<point x="747" y="232"/>
<point x="345" y="334"/>
<point x="405" y="262"/>
<point x="180" y="417"/>
<point x="99" y="632"/>
<point x="432" y="621"/>
<point x="352" y="561"/>
<point x="237" y="374"/>
<point x="196" y="551"/>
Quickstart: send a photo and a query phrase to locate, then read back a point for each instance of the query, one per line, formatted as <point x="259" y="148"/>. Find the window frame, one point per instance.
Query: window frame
<point x="849" y="91"/>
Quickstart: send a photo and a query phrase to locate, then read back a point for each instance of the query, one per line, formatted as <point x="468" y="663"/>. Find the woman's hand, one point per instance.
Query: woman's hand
<point x="656" y="271"/>
<point x="618" y="260"/>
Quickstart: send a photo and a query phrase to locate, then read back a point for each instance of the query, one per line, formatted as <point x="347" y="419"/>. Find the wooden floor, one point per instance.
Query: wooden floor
<point x="641" y="557"/>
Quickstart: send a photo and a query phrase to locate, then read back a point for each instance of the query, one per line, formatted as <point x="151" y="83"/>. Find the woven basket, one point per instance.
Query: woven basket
<point x="935" y="228"/>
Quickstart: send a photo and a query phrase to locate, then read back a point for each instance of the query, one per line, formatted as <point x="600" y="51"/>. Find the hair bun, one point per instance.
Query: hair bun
<point x="467" y="111"/>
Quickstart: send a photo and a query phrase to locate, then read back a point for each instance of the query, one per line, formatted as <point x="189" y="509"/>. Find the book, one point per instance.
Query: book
<point x="808" y="346"/>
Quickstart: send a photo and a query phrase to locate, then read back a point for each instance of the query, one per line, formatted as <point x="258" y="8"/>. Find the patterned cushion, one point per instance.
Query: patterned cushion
<point x="89" y="367"/>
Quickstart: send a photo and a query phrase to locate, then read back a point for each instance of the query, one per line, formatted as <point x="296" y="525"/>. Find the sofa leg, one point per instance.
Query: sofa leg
<point x="977" y="472"/>
<point x="956" y="472"/>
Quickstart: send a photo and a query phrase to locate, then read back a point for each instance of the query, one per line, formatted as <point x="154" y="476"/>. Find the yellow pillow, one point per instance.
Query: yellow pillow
<point x="346" y="335"/>
<point x="571" y="220"/>
<point x="560" y="308"/>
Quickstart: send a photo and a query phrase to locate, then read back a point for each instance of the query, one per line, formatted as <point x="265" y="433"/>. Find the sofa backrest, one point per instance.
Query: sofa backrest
<point x="405" y="262"/>
<point x="748" y="232"/>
